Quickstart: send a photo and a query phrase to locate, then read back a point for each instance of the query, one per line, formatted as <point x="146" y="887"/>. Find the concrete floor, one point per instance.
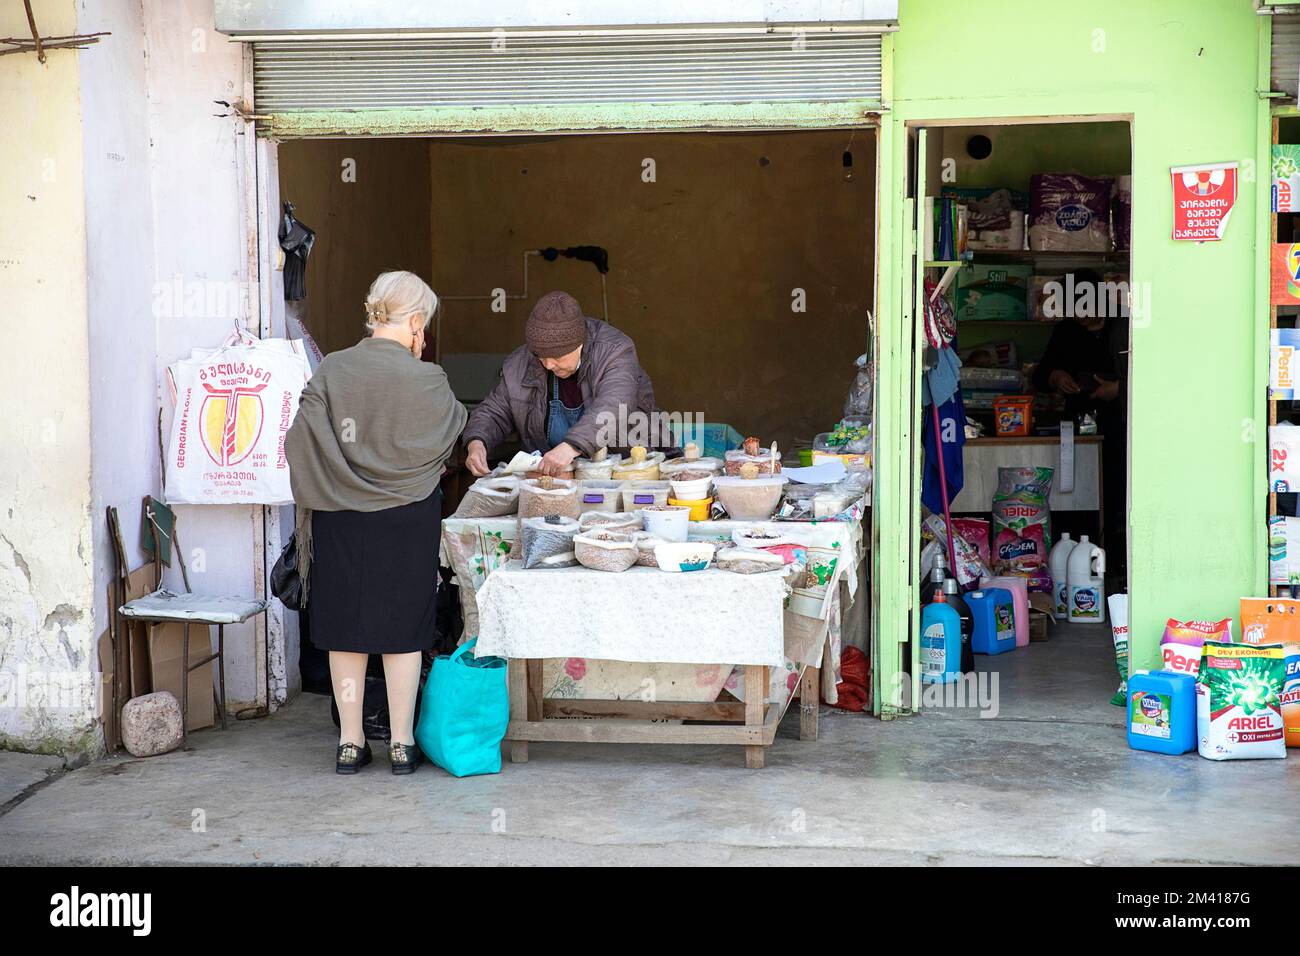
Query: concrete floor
<point x="1048" y="781"/>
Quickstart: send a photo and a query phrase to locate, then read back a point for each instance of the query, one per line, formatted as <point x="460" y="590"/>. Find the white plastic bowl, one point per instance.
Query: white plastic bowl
<point x="684" y="556"/>
<point x="694" y="490"/>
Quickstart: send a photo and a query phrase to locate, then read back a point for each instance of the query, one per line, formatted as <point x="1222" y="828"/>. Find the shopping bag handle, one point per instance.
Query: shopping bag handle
<point x="460" y="651"/>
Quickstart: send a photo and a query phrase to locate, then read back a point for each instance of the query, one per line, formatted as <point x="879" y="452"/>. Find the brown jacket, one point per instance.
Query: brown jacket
<point x="610" y="376"/>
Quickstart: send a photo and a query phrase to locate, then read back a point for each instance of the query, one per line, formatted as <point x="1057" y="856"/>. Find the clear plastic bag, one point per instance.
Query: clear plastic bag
<point x="490" y="498"/>
<point x="548" y="542"/>
<point x="605" y="551"/>
<point x="540" y="497"/>
<point x="616" y="521"/>
<point x="858" y="403"/>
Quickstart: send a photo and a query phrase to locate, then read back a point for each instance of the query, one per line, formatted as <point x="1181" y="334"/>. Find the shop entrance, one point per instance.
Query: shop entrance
<point x="740" y="263"/>
<point x="1021" y="253"/>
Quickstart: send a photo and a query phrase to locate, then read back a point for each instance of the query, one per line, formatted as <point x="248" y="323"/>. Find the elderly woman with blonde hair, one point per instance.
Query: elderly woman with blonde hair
<point x="366" y="451"/>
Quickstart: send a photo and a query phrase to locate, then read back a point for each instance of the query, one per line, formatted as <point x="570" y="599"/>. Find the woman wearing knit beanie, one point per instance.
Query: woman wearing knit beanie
<point x="557" y="389"/>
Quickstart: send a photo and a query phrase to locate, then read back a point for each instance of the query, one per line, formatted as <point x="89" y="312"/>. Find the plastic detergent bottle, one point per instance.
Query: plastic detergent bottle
<point x="1087" y="589"/>
<point x="952" y="595"/>
<point x="940" y="642"/>
<point x="994" y="614"/>
<point x="1162" y="712"/>
<point x="934" y="580"/>
<point x="1019" y="589"/>
<point x="1058" y="562"/>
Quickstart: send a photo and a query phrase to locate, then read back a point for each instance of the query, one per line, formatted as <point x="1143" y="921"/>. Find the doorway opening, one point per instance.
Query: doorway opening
<point x="1023" y="252"/>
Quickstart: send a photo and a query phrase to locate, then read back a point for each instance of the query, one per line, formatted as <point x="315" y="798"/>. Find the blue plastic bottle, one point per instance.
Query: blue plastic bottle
<point x="1162" y="712"/>
<point x="994" y="611"/>
<point x="940" y="641"/>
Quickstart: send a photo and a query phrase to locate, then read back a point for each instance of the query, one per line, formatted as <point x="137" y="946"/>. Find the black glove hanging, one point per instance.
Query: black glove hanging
<point x="296" y="240"/>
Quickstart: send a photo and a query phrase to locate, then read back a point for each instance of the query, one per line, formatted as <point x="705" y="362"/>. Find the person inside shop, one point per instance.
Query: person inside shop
<point x="560" y="389"/>
<point x="1086" y="362"/>
<point x="366" y="450"/>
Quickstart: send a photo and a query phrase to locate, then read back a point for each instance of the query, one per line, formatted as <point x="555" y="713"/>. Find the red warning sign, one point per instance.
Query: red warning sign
<point x="1203" y="198"/>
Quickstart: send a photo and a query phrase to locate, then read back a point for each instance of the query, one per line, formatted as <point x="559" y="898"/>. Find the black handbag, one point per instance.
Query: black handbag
<point x="286" y="583"/>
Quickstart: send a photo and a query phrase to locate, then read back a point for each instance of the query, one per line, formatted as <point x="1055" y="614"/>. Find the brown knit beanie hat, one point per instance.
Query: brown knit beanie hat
<point x="556" y="326"/>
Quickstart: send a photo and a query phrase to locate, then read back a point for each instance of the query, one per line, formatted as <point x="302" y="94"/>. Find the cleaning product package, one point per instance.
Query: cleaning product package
<point x="1118" y="605"/>
<point x="1239" y="701"/>
<point x="1277" y="621"/>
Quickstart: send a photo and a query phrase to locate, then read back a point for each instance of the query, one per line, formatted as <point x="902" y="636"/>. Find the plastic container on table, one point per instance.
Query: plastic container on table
<point x="995" y="620"/>
<point x="1019" y="588"/>
<point x="699" y="508"/>
<point x="694" y="489"/>
<point x="667" y="521"/>
<point x="940" y="642"/>
<point x="684" y="555"/>
<point x="601" y="495"/>
<point x="750" y="499"/>
<point x="1013" y="415"/>
<point x="1162" y="712"/>
<point x="640" y="494"/>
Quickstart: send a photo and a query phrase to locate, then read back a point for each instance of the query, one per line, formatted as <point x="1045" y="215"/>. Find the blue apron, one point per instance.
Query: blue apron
<point x="559" y="419"/>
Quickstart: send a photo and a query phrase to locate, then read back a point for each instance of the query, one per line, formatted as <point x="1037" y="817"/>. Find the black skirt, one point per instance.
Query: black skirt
<point x="374" y="578"/>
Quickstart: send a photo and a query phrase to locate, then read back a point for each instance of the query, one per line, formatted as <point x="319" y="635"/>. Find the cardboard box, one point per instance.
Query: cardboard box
<point x="109" y="715"/>
<point x="165" y="644"/>
<point x="1277" y="621"/>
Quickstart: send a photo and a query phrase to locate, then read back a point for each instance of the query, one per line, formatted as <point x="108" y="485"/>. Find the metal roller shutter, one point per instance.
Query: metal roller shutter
<point x="406" y="73"/>
<point x="1285" y="66"/>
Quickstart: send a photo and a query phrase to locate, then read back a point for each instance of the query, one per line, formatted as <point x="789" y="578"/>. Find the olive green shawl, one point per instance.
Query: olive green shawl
<point x="375" y="425"/>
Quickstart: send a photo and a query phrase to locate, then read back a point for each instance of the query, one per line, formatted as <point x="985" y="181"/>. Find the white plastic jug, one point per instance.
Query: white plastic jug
<point x="1058" y="562"/>
<point x="1087" y="589"/>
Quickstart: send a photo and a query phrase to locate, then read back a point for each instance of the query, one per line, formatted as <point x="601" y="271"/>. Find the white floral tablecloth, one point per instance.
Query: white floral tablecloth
<point x="475" y="547"/>
<point x="640" y="615"/>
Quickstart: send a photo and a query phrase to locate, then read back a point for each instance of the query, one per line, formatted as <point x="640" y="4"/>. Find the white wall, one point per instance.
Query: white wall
<point x="47" y="635"/>
<point x="123" y="188"/>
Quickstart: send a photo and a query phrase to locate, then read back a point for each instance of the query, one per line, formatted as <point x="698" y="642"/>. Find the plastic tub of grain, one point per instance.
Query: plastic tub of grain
<point x="691" y="485"/>
<point x="750" y="499"/>
<point x="643" y="494"/>
<point x="604" y="550"/>
<point x="669" y="522"/>
<point x="601" y="495"/>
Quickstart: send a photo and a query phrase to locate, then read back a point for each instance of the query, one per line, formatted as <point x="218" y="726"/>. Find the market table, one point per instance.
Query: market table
<point x="640" y="615"/>
<point x="815" y="626"/>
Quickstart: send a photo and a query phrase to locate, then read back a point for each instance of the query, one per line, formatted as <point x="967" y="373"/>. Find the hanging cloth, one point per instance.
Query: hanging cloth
<point x="296" y="240"/>
<point x="952" y="439"/>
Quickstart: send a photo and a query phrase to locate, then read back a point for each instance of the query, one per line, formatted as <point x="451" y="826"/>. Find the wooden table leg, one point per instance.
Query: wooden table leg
<point x="755" y="698"/>
<point x="534" y="669"/>
<point x="517" y="675"/>
<point x="809" y="702"/>
<point x="185" y="684"/>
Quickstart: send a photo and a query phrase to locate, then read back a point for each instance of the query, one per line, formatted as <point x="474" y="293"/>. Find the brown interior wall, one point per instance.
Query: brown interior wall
<point x="703" y="260"/>
<point x="378" y="222"/>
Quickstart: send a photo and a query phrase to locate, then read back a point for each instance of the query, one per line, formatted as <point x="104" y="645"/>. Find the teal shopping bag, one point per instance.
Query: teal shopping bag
<point x="464" y="712"/>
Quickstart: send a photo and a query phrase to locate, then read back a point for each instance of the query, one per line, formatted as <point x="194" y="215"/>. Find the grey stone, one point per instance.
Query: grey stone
<point x="151" y="724"/>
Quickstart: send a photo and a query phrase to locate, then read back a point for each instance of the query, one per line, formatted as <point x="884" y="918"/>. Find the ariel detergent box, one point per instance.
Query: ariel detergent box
<point x="1286" y="177"/>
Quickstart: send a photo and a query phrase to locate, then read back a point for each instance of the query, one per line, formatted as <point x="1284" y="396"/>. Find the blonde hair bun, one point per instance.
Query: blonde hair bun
<point x="395" y="296"/>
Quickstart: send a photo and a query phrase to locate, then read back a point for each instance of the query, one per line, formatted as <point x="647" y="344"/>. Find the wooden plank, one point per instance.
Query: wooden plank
<point x="645" y="710"/>
<point x="809" y="702"/>
<point x="618" y="731"/>
<point x="755" y="696"/>
<point x="517" y="677"/>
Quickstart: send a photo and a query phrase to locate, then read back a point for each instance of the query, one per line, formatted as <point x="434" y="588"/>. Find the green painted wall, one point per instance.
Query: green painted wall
<point x="1187" y="73"/>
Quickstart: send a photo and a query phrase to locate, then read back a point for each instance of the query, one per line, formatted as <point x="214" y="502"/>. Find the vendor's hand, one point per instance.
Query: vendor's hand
<point x="1063" y="382"/>
<point x="1107" y="391"/>
<point x="558" y="460"/>
<point x="476" y="458"/>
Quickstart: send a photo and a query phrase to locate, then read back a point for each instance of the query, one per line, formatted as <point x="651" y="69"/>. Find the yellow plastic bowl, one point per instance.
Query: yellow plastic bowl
<point x="699" y="509"/>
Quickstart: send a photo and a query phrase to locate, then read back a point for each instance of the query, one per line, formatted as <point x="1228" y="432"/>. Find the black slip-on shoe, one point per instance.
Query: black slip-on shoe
<point x="351" y="758"/>
<point x="404" y="758"/>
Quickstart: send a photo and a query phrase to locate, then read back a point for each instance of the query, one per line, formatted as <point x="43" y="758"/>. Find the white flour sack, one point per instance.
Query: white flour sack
<point x="234" y="405"/>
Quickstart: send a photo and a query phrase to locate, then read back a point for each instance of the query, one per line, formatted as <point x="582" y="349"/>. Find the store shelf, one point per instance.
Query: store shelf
<point x="1027" y="257"/>
<point x="1047" y="323"/>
